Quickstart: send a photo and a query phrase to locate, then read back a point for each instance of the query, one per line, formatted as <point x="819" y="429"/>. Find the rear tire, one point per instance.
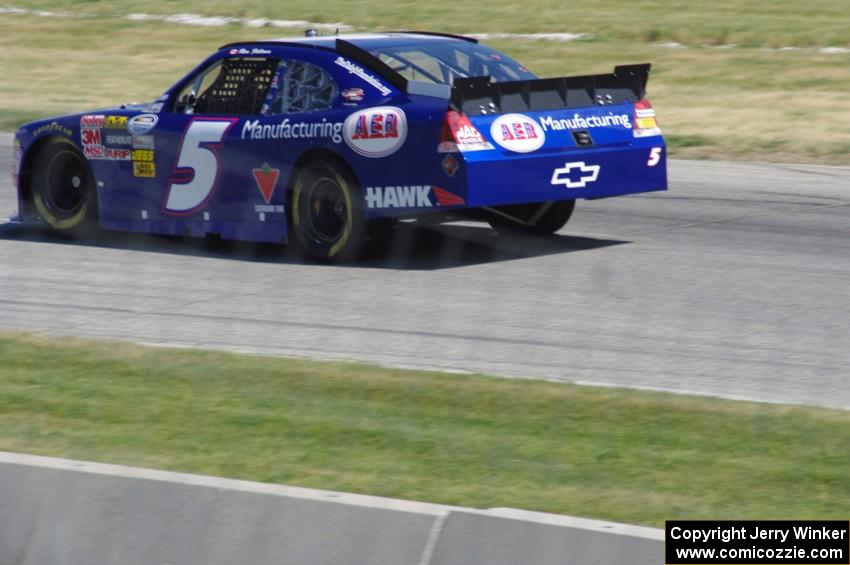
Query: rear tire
<point x="327" y="212"/>
<point x="63" y="189"/>
<point x="531" y="219"/>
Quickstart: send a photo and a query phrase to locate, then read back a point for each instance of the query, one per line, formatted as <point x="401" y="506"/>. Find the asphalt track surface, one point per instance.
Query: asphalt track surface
<point x="735" y="283"/>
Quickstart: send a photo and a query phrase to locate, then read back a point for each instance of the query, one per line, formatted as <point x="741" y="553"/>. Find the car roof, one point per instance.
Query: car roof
<point x="362" y="40"/>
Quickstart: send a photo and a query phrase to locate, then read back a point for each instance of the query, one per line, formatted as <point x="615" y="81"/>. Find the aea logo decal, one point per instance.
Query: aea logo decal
<point x="517" y="133"/>
<point x="376" y="132"/>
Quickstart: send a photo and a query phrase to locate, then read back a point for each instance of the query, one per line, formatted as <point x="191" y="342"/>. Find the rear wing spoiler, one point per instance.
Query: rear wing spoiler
<point x="478" y="95"/>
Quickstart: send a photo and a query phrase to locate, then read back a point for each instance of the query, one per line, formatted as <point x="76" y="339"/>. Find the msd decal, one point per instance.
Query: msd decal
<point x="575" y="175"/>
<point x="376" y="132"/>
<point x="266" y="179"/>
<point x="410" y="196"/>
<point x="517" y="133"/>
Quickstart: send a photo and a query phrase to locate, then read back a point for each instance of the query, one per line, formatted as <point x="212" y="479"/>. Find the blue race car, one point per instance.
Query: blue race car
<point x="332" y="139"/>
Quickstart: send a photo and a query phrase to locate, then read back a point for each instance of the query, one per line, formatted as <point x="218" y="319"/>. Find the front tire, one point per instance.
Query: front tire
<point x="531" y="219"/>
<point x="327" y="212"/>
<point x="63" y="189"/>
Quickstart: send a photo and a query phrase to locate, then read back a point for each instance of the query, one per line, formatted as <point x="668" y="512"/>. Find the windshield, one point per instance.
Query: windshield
<point x="443" y="61"/>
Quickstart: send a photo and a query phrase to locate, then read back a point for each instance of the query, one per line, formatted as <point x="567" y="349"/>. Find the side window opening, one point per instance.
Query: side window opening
<point x="236" y="86"/>
<point x="299" y="87"/>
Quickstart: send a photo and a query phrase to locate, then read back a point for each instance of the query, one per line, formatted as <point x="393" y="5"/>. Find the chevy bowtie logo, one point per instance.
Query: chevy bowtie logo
<point x="575" y="175"/>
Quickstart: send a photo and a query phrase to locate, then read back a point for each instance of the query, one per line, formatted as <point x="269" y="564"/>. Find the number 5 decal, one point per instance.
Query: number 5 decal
<point x="654" y="157"/>
<point x="195" y="176"/>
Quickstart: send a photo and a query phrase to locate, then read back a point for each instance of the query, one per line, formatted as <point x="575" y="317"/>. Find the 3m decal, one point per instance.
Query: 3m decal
<point x="90" y="136"/>
<point x="195" y="175"/>
<point x="654" y="157"/>
<point x="362" y="74"/>
<point x="266" y="179"/>
<point x="575" y="175"/>
<point x="376" y="132"/>
<point x="409" y="196"/>
<point x="142" y="124"/>
<point x="144" y="169"/>
<point x="517" y="133"/>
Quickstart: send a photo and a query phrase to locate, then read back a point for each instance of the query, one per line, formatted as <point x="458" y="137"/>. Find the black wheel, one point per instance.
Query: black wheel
<point x="327" y="212"/>
<point x="531" y="219"/>
<point x="63" y="189"/>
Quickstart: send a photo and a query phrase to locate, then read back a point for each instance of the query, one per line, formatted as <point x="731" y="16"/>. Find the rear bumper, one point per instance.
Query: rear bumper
<point x="567" y="175"/>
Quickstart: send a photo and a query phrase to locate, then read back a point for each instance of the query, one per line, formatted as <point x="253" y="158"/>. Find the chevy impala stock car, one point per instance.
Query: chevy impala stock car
<point x="331" y="139"/>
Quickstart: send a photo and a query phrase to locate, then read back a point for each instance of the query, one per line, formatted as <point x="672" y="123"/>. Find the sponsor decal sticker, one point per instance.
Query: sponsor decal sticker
<point x="94" y="151"/>
<point x="586" y="122"/>
<point x="90" y="136"/>
<point x="409" y="196"/>
<point x="646" y="123"/>
<point x="518" y="133"/>
<point x="362" y="74"/>
<point x="112" y="154"/>
<point x="119" y="140"/>
<point x="376" y="132"/>
<point x="287" y="129"/>
<point x="465" y="135"/>
<point x="142" y="124"/>
<point x="92" y="121"/>
<point x="142" y="155"/>
<point x="53" y="127"/>
<point x="144" y="169"/>
<point x="575" y="175"/>
<point x="450" y="166"/>
<point x="115" y="122"/>
<point x="353" y="94"/>
<point x="143" y="142"/>
<point x="266" y="179"/>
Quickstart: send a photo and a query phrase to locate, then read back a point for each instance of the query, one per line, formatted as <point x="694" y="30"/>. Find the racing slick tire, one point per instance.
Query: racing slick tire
<point x="531" y="219"/>
<point x="328" y="218"/>
<point x="63" y="189"/>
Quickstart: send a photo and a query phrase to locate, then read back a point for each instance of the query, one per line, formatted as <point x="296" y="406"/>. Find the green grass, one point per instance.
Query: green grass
<point x="745" y="102"/>
<point x="469" y="440"/>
